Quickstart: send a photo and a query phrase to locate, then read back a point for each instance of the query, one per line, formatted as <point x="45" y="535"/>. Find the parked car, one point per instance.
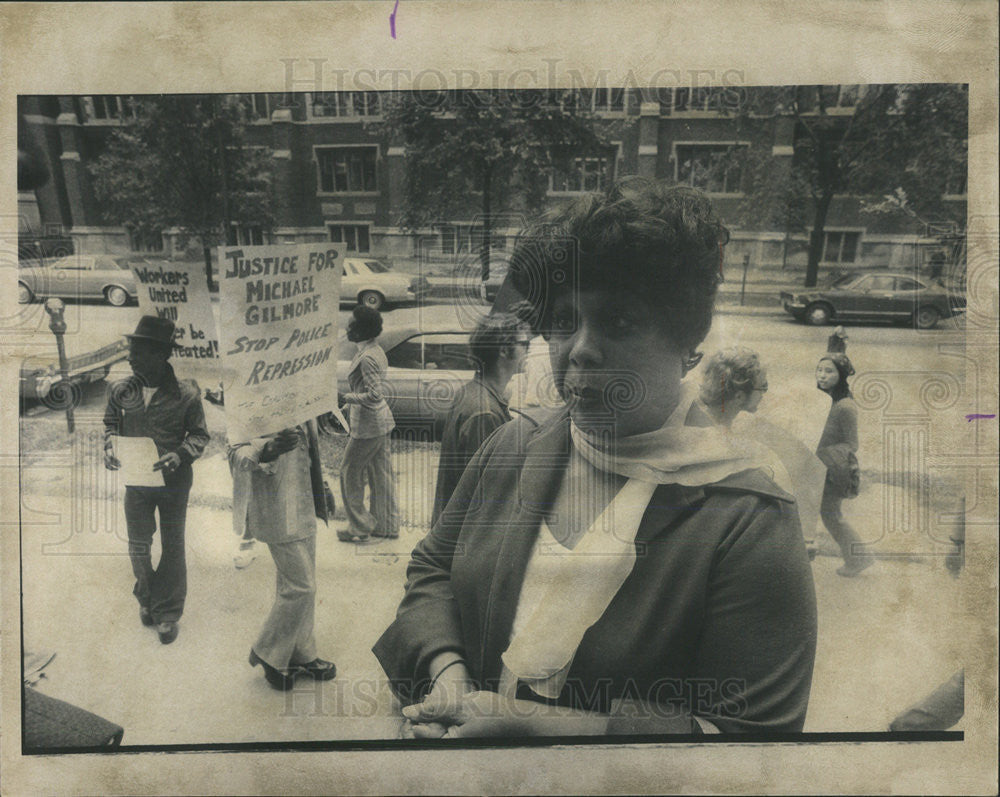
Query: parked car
<point x="42" y="381"/>
<point x="105" y="277"/>
<point x="373" y="283"/>
<point x="875" y="296"/>
<point x="429" y="361"/>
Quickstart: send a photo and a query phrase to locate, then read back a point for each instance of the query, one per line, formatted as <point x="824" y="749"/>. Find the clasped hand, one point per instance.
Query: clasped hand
<point x="168" y="463"/>
<point x="449" y="715"/>
<point x="283" y="442"/>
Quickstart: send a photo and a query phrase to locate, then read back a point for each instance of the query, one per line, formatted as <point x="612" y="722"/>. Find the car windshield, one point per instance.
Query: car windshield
<point x="844" y="281"/>
<point x="121" y="262"/>
<point x="376" y="266"/>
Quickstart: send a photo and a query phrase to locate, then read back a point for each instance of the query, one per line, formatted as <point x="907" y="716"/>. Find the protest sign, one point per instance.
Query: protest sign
<point x="178" y="291"/>
<point x="278" y="335"/>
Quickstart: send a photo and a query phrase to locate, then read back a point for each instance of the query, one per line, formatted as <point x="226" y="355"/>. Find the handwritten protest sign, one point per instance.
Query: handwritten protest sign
<point x="178" y="291"/>
<point x="278" y="335"/>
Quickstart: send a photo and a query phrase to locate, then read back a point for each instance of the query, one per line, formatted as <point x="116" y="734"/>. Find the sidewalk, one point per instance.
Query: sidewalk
<point x="77" y="603"/>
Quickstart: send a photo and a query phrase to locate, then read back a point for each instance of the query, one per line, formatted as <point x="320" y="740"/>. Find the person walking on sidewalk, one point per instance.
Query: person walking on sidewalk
<point x="837" y="449"/>
<point x="367" y="454"/>
<point x="153" y="403"/>
<point x="498" y="344"/>
<point x="278" y="493"/>
<point x="734" y="381"/>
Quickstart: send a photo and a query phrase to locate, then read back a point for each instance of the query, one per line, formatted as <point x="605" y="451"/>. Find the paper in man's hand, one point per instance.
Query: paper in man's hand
<point x="138" y="455"/>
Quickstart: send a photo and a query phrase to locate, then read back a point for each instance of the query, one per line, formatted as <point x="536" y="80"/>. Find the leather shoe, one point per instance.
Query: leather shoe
<point x="851" y="569"/>
<point x="346" y="535"/>
<point x="167" y="632"/>
<point x="145" y="616"/>
<point x="276" y="678"/>
<point x="318" y="669"/>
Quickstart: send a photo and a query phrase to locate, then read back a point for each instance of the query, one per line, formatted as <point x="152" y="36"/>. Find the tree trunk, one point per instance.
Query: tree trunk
<point x="208" y="264"/>
<point x="816" y="238"/>
<point x="484" y="249"/>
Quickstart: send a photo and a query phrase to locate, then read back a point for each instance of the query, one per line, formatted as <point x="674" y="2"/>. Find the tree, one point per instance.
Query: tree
<point x="183" y="161"/>
<point x="491" y="150"/>
<point x="865" y="141"/>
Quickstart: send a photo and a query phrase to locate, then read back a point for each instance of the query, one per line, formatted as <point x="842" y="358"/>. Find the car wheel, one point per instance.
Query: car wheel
<point x="819" y="314"/>
<point x="24" y="294"/>
<point x="926" y="317"/>
<point x="116" y="296"/>
<point x="372" y="299"/>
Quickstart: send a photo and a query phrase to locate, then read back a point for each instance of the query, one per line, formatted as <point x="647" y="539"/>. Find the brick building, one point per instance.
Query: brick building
<point x="337" y="178"/>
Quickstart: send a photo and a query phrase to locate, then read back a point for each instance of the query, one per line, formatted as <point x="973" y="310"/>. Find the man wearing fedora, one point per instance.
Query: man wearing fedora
<point x="154" y="403"/>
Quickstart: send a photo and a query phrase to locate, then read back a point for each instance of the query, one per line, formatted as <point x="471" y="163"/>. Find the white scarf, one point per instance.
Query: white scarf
<point x="579" y="592"/>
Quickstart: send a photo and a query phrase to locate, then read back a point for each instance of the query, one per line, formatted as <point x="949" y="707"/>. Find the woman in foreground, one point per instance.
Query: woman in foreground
<point x="621" y="568"/>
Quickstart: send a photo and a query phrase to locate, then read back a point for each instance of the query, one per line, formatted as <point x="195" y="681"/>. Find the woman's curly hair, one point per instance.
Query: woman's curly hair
<point x="728" y="373"/>
<point x="662" y="243"/>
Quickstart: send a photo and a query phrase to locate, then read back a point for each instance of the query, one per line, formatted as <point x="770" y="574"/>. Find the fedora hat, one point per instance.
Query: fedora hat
<point x="151" y="327"/>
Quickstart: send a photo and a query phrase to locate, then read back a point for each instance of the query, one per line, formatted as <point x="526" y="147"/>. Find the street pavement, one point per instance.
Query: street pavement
<point x="886" y="637"/>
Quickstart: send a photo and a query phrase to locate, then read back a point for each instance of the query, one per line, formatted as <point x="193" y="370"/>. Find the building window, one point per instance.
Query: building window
<point x="476" y="238"/>
<point x="345" y="103"/>
<point x="448" y="240"/>
<point x="467" y="238"/>
<point x="714" y="168"/>
<point x="109" y="107"/>
<point x="354" y="236"/>
<point x="580" y="174"/>
<point x="140" y="241"/>
<point x="840" y="246"/>
<point x="346" y="169"/>
<point x="598" y="100"/>
<point x="841" y="96"/>
<point x="255" y="106"/>
<point x="246" y="235"/>
<point x="700" y="99"/>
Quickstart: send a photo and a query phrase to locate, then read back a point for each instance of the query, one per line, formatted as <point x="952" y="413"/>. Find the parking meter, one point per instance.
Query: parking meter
<point x="57" y="323"/>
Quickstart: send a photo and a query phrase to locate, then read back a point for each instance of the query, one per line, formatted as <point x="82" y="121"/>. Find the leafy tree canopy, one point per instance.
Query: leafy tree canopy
<point x="868" y="141"/>
<point x="183" y="161"/>
<point x="480" y="154"/>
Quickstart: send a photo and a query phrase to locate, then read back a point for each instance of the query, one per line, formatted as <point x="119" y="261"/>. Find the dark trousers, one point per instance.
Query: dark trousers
<point x="161" y="589"/>
<point x="840" y="529"/>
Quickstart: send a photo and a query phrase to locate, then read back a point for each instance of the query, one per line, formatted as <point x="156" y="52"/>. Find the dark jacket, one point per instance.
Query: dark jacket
<point x="475" y="414"/>
<point x="175" y="418"/>
<point x="718" y="616"/>
<point x="838" y="446"/>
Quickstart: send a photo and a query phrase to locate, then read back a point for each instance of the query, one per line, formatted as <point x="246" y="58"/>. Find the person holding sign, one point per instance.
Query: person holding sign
<point x="278" y="493"/>
<point x="153" y="404"/>
<point x="371" y="422"/>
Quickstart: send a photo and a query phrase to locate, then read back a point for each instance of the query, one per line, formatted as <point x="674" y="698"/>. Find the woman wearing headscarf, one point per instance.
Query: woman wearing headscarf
<point x="837" y="447"/>
<point x="621" y="567"/>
